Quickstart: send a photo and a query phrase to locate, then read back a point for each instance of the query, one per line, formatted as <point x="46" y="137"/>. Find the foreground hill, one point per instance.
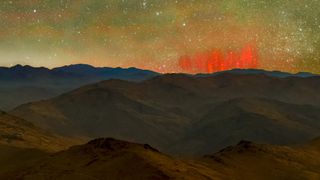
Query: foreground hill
<point x="16" y="132"/>
<point x="110" y="159"/>
<point x="249" y="160"/>
<point x="185" y="114"/>
<point x="13" y="157"/>
<point x="22" y="84"/>
<point x="21" y="142"/>
<point x="114" y="159"/>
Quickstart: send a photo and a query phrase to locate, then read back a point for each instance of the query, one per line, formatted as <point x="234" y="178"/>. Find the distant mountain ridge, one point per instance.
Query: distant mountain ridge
<point x="21" y="84"/>
<point x="278" y="74"/>
<point x="83" y="70"/>
<point x="19" y="72"/>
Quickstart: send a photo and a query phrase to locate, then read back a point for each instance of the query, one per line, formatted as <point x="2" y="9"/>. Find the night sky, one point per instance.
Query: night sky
<point x="163" y="35"/>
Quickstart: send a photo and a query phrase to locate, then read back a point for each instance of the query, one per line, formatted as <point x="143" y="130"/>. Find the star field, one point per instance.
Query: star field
<point x="155" y="34"/>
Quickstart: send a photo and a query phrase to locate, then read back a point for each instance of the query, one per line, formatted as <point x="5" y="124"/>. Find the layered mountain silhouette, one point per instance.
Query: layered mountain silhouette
<point x="108" y="158"/>
<point x="198" y="117"/>
<point x="186" y="114"/>
<point x="21" y="84"/>
<point x="84" y="71"/>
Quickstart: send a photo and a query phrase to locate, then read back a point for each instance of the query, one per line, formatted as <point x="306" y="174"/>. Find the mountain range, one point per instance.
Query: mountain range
<point x="76" y="71"/>
<point x="278" y="74"/>
<point x="184" y="114"/>
<point x="21" y="84"/>
<point x="238" y="124"/>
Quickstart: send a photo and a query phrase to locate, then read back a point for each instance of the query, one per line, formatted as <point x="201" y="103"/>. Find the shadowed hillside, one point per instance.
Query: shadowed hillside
<point x="185" y="114"/>
<point x="257" y="119"/>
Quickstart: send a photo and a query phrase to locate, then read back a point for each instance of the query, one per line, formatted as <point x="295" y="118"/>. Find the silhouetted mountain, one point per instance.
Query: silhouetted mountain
<point x="278" y="74"/>
<point x="21" y="84"/>
<point x="23" y="73"/>
<point x="186" y="114"/>
<point x="77" y="69"/>
<point x="101" y="73"/>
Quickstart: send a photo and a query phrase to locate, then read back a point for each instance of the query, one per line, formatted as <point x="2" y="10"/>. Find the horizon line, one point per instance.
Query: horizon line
<point x="132" y="67"/>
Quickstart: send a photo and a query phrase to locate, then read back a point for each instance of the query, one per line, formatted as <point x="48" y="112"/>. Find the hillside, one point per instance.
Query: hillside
<point x="258" y="119"/>
<point x="16" y="132"/>
<point x="108" y="158"/>
<point x="185" y="114"/>
<point x="248" y="160"/>
<point x="22" y="142"/>
<point x="13" y="157"/>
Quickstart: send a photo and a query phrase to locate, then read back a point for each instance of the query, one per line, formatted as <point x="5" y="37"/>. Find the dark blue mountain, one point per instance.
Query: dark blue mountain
<point x="75" y="71"/>
<point x="21" y="84"/>
<point x="277" y="74"/>
<point x="132" y="74"/>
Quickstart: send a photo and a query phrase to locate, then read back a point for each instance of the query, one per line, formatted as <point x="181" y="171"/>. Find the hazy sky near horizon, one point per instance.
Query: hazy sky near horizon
<point x="154" y="34"/>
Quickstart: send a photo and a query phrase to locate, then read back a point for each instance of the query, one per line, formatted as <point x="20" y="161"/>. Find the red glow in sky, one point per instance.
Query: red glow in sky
<point x="217" y="60"/>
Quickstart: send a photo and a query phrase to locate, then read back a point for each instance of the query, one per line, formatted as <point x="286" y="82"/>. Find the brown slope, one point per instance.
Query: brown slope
<point x="17" y="132"/>
<point x="13" y="157"/>
<point x="96" y="111"/>
<point x="249" y="160"/>
<point x="111" y="159"/>
<point x="164" y="109"/>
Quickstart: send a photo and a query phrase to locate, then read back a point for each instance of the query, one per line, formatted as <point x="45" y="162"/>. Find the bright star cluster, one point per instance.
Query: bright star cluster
<point x="155" y="34"/>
